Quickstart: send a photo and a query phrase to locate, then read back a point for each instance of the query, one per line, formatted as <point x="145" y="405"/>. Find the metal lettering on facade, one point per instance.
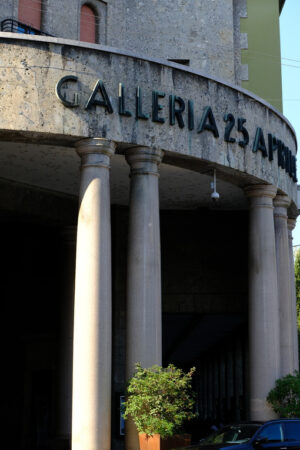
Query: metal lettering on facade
<point x="177" y="108"/>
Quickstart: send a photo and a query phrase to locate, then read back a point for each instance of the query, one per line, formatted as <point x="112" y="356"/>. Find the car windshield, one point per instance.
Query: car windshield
<point x="234" y="434"/>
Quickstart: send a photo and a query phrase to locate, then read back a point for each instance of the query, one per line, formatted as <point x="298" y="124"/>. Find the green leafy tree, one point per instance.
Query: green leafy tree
<point x="285" y="397"/>
<point x="159" y="399"/>
<point x="297" y="280"/>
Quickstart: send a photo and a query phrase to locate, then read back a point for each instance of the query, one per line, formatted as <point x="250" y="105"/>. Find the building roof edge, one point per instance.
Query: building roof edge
<point x="281" y="5"/>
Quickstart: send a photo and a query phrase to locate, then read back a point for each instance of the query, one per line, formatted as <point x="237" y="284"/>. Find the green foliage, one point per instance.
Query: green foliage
<point x="297" y="281"/>
<point x="285" y="397"/>
<point x="159" y="399"/>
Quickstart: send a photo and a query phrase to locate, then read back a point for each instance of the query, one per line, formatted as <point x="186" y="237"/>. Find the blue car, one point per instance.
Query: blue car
<point x="281" y="434"/>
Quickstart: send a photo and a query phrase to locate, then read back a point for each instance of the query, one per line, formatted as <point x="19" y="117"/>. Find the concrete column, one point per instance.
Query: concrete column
<point x="91" y="421"/>
<point x="143" y="325"/>
<point x="291" y="226"/>
<point x="281" y="203"/>
<point x="64" y="414"/>
<point x="264" y="357"/>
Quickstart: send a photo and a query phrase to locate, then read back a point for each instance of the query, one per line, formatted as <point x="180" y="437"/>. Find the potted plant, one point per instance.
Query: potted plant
<point x="158" y="401"/>
<point x="285" y="397"/>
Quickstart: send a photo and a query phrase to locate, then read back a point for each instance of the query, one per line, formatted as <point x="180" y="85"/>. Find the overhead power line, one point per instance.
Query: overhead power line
<point x="46" y="9"/>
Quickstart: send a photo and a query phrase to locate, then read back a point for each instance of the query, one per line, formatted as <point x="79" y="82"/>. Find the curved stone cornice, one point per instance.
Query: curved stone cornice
<point x="198" y="121"/>
<point x="121" y="52"/>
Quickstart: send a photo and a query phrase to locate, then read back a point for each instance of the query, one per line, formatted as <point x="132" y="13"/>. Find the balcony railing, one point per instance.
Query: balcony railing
<point x="13" y="26"/>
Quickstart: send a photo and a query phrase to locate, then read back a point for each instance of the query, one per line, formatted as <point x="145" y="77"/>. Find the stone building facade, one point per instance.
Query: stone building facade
<point x="119" y="120"/>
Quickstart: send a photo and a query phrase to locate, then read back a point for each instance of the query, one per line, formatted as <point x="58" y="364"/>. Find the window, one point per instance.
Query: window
<point x="87" y="24"/>
<point x="272" y="432"/>
<point x="30" y="13"/>
<point x="292" y="431"/>
<point x="234" y="434"/>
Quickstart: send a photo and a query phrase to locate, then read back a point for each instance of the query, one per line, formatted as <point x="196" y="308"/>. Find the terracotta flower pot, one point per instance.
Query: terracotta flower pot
<point x="156" y="443"/>
<point x="149" y="442"/>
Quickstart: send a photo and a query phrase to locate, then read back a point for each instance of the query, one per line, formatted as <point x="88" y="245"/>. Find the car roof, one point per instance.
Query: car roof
<point x="262" y="422"/>
<point x="284" y="419"/>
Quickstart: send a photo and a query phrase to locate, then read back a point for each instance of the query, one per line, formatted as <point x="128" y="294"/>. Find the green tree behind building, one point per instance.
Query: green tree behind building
<point x="297" y="280"/>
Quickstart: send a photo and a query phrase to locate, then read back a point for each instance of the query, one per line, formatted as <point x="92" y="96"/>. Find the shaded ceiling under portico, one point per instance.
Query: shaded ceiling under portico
<point x="56" y="169"/>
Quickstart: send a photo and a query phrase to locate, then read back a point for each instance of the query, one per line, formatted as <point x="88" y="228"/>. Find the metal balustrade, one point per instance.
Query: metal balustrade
<point x="13" y="26"/>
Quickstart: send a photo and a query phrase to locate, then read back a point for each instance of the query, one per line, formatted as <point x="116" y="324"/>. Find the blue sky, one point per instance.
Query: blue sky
<point x="290" y="60"/>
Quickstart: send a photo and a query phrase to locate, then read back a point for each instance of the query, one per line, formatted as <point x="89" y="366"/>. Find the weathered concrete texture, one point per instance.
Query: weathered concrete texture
<point x="240" y="40"/>
<point x="264" y="337"/>
<point x="144" y="333"/>
<point x="67" y="23"/>
<point x="194" y="30"/>
<point x="62" y="19"/>
<point x="92" y="343"/>
<point x="281" y="203"/>
<point x="143" y="264"/>
<point x="8" y="9"/>
<point x="28" y="104"/>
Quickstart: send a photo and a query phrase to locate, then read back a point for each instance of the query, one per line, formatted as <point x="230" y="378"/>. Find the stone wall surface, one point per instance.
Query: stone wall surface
<point x="7" y="9"/>
<point x="240" y="40"/>
<point x="29" y="108"/>
<point x="62" y="19"/>
<point x="197" y="31"/>
<point x="194" y="30"/>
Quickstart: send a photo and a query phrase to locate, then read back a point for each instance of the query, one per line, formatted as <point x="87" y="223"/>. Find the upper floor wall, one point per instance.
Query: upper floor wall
<point x="194" y="32"/>
<point x="58" y="18"/>
<point x="222" y="38"/>
<point x="198" y="33"/>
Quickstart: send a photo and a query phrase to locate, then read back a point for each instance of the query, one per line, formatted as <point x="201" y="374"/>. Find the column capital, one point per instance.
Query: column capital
<point x="261" y="190"/>
<point x="291" y="223"/>
<point x="281" y="203"/>
<point x="261" y="196"/>
<point x="144" y="160"/>
<point x="95" y="152"/>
